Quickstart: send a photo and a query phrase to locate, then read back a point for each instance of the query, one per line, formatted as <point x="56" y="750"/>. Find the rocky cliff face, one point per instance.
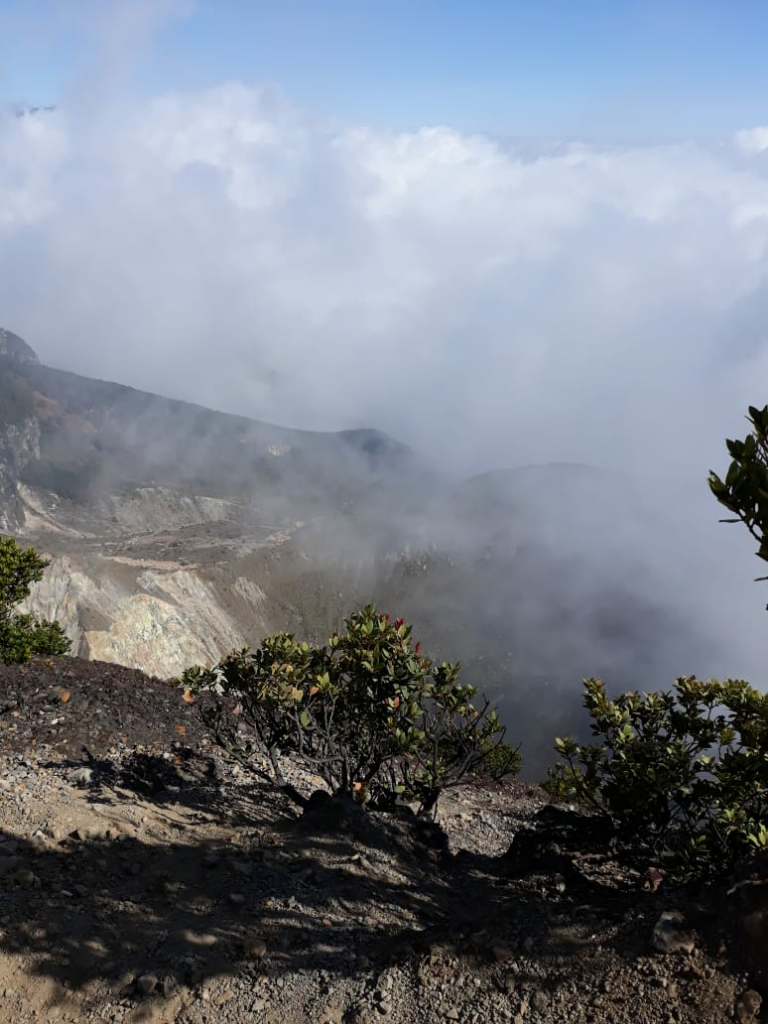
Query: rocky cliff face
<point x="19" y="426"/>
<point x="137" y="600"/>
<point x="171" y="529"/>
<point x="19" y="445"/>
<point x="162" y="619"/>
<point x="157" y="578"/>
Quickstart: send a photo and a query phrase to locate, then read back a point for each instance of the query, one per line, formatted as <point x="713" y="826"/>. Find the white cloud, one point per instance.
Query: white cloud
<point x="491" y="307"/>
<point x="753" y="140"/>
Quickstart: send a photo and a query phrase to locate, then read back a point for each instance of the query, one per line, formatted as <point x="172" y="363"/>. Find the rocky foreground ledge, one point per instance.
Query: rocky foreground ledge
<point x="144" y="879"/>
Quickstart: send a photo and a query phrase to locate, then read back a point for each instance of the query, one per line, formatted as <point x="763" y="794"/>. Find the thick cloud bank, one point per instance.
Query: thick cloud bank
<point x="488" y="304"/>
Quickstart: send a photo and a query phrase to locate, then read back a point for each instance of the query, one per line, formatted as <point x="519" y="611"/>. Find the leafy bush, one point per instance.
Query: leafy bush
<point x="683" y="774"/>
<point x="745" y="488"/>
<point x="500" y="761"/>
<point x="367" y="712"/>
<point x="22" y="635"/>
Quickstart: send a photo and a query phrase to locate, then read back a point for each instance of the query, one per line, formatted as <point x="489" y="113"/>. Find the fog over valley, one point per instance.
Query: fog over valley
<point x="479" y="379"/>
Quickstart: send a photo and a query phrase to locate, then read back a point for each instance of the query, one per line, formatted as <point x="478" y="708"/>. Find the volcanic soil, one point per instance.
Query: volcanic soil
<point x="144" y="878"/>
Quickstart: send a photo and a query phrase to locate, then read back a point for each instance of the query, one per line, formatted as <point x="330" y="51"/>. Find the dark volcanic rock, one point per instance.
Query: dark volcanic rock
<point x="66" y="704"/>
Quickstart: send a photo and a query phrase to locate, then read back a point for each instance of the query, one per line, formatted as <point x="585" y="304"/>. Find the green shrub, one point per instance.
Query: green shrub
<point x="367" y="712"/>
<point x="22" y="635"/>
<point x="744" y="491"/>
<point x="683" y="774"/>
<point x="501" y="760"/>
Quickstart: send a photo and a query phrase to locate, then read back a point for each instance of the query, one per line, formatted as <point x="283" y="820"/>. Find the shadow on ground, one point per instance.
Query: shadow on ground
<point x="336" y="890"/>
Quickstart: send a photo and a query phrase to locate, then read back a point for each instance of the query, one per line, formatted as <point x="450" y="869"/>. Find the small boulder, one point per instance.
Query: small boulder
<point x="670" y="934"/>
<point x="26" y="879"/>
<point x="146" y="984"/>
<point x="748" y="1006"/>
<point x="540" y="1001"/>
<point x="81" y="777"/>
<point x="254" y="948"/>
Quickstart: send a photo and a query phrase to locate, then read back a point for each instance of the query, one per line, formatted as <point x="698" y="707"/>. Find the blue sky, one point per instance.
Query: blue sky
<point x="602" y="69"/>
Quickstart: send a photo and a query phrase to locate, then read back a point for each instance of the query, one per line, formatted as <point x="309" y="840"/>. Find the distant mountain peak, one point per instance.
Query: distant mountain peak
<point x="14" y="347"/>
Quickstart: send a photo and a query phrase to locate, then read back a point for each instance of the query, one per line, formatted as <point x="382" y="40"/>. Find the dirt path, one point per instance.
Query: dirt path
<point x="160" y="885"/>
